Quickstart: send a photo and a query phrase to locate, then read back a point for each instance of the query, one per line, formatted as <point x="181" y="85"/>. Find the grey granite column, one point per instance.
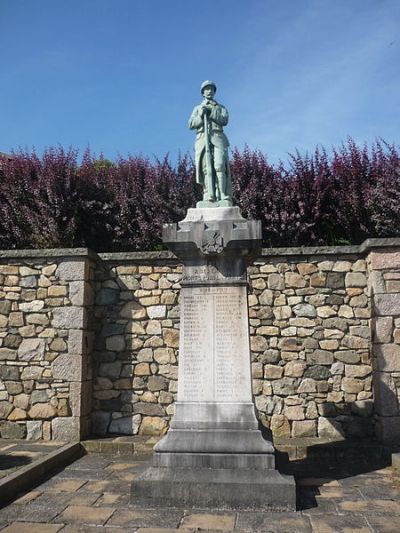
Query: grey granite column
<point x="214" y="454"/>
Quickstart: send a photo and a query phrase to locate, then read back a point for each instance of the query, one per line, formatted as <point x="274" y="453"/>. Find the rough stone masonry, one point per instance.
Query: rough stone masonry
<point x="89" y="339"/>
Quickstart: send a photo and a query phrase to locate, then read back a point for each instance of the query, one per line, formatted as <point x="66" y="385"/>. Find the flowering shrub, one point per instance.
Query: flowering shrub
<point x="58" y="201"/>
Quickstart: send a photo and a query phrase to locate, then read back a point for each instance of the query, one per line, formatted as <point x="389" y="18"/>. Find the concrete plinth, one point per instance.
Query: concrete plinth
<point x="215" y="488"/>
<point x="214" y="454"/>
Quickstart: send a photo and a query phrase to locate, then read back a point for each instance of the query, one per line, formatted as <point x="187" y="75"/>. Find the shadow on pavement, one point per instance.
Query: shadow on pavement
<point x="8" y="462"/>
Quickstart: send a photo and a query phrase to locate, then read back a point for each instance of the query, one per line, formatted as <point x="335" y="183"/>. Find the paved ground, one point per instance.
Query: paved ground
<point x="92" y="495"/>
<point x="15" y="454"/>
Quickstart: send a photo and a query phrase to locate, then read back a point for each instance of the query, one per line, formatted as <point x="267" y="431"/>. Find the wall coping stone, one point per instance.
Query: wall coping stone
<point x="48" y="252"/>
<point x="137" y="256"/>
<point x="366" y="246"/>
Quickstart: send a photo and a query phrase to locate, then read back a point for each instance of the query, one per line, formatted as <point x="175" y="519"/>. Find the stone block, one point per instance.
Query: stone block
<point x="5" y="307"/>
<point x="34" y="430"/>
<point x="335" y="280"/>
<point x="292" y="279"/>
<point x="32" y="373"/>
<point x="276" y="282"/>
<point x="39" y="319"/>
<point x="387" y="304"/>
<point x="347" y="356"/>
<point x="80" y="398"/>
<point x="58" y="345"/>
<point x="70" y="317"/>
<point x="304" y="428"/>
<point x="307" y="385"/>
<point x="7" y="355"/>
<point x="273" y="371"/>
<point x="66" y="428"/>
<point x="127" y="425"/>
<point x="110" y="370"/>
<point x="384" y="259"/>
<point x="28" y="282"/>
<point x="67" y="367"/>
<point x="31" y="350"/>
<point x="150" y="409"/>
<point x="266" y="297"/>
<point x="9" y="373"/>
<point x="294" y="412"/>
<point x="385" y="394"/>
<point x="157" y="311"/>
<point x="295" y="369"/>
<point x="31" y="307"/>
<point x="387" y="357"/>
<point x="42" y="411"/>
<point x="358" y="371"/>
<point x="80" y="293"/>
<point x="5" y="409"/>
<point x="284" y="386"/>
<point x="356" y="279"/>
<point x="317" y="372"/>
<point x="306" y="268"/>
<point x="382" y="329"/>
<point x="352" y="385"/>
<point x="318" y="279"/>
<point x="305" y="310"/>
<point x="12" y="430"/>
<point x="22" y="400"/>
<point x="393" y="286"/>
<point x="171" y="337"/>
<point x="157" y="383"/>
<point x="153" y="425"/>
<point x="133" y="311"/>
<point x="280" y="426"/>
<point x="329" y="428"/>
<point x="320" y="357"/>
<point x="39" y="396"/>
<point x="72" y="270"/>
<point x="77" y="342"/>
<point x="258" y="343"/>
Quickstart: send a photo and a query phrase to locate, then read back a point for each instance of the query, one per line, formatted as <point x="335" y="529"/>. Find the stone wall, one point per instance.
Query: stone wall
<point x="384" y="285"/>
<point x="45" y="382"/>
<point x="318" y="371"/>
<point x="135" y="355"/>
<point x="310" y="340"/>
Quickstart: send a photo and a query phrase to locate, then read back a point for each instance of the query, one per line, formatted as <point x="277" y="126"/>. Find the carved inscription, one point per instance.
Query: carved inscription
<point x="214" y="360"/>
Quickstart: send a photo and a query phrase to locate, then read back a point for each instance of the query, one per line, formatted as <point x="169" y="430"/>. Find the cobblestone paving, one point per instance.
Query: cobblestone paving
<point x="92" y="495"/>
<point x="19" y="453"/>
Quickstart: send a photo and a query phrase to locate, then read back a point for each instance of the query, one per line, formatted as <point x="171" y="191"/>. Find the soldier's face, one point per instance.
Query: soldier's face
<point x="208" y="92"/>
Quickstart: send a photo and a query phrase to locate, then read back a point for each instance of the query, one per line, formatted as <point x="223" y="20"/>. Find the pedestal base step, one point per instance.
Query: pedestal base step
<point x="255" y="461"/>
<point x="220" y="488"/>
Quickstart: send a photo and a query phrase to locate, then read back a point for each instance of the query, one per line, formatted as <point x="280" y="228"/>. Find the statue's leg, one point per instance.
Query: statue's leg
<point x="208" y="196"/>
<point x="220" y="169"/>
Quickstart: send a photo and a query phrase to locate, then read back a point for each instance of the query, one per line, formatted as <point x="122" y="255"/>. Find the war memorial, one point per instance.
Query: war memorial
<point x="220" y="354"/>
<point x="213" y="454"/>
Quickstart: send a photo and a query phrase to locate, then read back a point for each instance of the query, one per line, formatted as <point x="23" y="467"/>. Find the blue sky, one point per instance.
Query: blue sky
<point x="122" y="76"/>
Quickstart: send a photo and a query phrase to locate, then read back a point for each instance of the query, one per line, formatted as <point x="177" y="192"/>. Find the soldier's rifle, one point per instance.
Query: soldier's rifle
<point x="209" y="165"/>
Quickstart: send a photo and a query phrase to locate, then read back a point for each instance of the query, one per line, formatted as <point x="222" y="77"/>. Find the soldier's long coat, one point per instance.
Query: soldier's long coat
<point x="217" y="119"/>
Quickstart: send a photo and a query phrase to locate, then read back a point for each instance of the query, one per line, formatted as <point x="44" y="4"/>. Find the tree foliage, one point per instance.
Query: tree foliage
<point x="57" y="200"/>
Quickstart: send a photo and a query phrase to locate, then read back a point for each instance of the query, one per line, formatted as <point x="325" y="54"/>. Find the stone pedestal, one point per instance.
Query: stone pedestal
<point x="214" y="454"/>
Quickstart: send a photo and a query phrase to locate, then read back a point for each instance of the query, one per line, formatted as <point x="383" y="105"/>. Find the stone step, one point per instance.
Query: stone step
<point x="309" y="456"/>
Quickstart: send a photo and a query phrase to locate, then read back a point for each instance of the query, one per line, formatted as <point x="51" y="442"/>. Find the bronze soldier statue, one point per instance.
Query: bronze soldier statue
<point x="211" y="149"/>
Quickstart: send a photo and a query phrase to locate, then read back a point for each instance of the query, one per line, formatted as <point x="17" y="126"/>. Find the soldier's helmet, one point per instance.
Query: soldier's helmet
<point x="207" y="83"/>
